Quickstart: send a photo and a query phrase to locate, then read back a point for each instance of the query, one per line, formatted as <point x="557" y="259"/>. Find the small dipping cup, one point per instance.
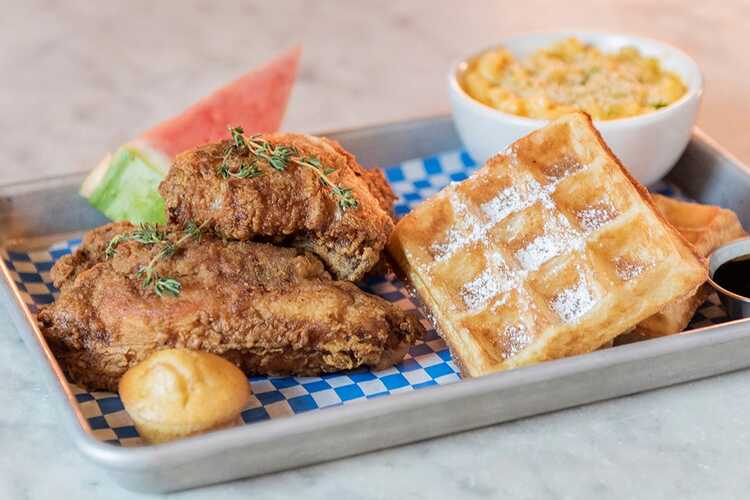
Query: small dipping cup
<point x="737" y="306"/>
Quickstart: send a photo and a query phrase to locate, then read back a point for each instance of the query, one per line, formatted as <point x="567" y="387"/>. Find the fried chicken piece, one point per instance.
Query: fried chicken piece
<point x="93" y="246"/>
<point x="270" y="310"/>
<point x="290" y="207"/>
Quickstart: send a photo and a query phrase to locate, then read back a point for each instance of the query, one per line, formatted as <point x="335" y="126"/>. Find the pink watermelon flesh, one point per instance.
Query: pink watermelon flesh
<point x="256" y="101"/>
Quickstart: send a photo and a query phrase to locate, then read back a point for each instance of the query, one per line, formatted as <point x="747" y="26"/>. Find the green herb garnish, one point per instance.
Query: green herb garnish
<point x="276" y="156"/>
<point x="167" y="285"/>
<point x="238" y="139"/>
<point x="279" y="157"/>
<point x="238" y="147"/>
<point x="146" y="233"/>
<point x="112" y="246"/>
<point x="160" y="284"/>
<point x="192" y="230"/>
<point x="150" y="234"/>
<point x="344" y="195"/>
<point x="245" y="171"/>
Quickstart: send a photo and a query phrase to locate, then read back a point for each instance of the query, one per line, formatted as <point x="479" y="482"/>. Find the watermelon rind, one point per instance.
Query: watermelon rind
<point x="125" y="185"/>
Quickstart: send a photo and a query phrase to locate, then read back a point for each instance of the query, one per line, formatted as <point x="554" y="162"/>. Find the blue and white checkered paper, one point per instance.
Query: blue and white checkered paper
<point x="427" y="364"/>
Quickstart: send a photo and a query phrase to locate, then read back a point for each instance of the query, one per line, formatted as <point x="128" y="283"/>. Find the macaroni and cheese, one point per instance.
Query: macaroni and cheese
<point x="570" y="76"/>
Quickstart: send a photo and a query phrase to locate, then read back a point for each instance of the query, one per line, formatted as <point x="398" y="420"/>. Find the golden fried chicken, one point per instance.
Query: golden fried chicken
<point x="93" y="247"/>
<point x="270" y="310"/>
<point x="290" y="189"/>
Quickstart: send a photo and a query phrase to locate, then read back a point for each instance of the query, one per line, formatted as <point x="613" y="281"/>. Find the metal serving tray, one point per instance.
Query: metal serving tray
<point x="49" y="210"/>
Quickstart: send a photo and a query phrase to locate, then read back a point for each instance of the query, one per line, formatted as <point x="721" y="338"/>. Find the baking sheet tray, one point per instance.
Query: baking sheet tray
<point x="33" y="215"/>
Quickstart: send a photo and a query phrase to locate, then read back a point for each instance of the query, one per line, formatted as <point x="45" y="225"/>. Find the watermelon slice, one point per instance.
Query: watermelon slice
<point x="124" y="186"/>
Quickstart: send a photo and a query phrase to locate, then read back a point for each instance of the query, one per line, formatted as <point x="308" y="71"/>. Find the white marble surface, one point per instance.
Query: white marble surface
<point x="77" y="79"/>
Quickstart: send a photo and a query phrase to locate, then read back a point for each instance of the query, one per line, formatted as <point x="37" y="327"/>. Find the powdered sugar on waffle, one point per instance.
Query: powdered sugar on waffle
<point x="517" y="198"/>
<point x="517" y="339"/>
<point x="470" y="228"/>
<point x="506" y="202"/>
<point x="593" y="218"/>
<point x="559" y="237"/>
<point x="479" y="291"/>
<point x="494" y="280"/>
<point x="572" y="303"/>
<point x="628" y="270"/>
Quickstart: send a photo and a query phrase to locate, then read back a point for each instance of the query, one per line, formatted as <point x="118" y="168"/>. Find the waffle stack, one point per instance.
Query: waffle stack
<point x="706" y="227"/>
<point x="549" y="250"/>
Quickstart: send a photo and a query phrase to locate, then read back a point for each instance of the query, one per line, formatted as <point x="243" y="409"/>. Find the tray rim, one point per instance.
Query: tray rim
<point x="143" y="458"/>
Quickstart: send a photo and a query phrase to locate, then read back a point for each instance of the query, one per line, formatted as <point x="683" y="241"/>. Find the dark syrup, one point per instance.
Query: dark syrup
<point x="734" y="275"/>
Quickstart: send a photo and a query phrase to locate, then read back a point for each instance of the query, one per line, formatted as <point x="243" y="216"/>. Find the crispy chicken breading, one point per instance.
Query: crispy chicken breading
<point x="268" y="309"/>
<point x="290" y="207"/>
<point x="93" y="247"/>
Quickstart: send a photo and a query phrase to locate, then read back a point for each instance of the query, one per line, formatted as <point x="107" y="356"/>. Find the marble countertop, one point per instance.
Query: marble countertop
<point x="78" y="80"/>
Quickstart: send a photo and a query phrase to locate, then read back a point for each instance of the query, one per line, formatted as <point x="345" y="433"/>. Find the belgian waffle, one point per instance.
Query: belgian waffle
<point x="706" y="227"/>
<point x="549" y="250"/>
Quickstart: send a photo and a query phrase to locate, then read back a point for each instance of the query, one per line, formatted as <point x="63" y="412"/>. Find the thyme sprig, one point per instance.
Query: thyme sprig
<point x="246" y="171"/>
<point x="160" y="284"/>
<point x="345" y="196"/>
<point x="146" y="233"/>
<point x="278" y="157"/>
<point x="150" y="234"/>
<point x="113" y="243"/>
<point x="238" y="147"/>
<point x="193" y="230"/>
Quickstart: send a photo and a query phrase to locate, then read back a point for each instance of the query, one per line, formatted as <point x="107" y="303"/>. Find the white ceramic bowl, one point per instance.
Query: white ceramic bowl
<point x="648" y="145"/>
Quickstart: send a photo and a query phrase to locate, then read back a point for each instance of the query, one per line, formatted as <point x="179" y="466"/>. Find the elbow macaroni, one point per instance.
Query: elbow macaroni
<point x="570" y="76"/>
